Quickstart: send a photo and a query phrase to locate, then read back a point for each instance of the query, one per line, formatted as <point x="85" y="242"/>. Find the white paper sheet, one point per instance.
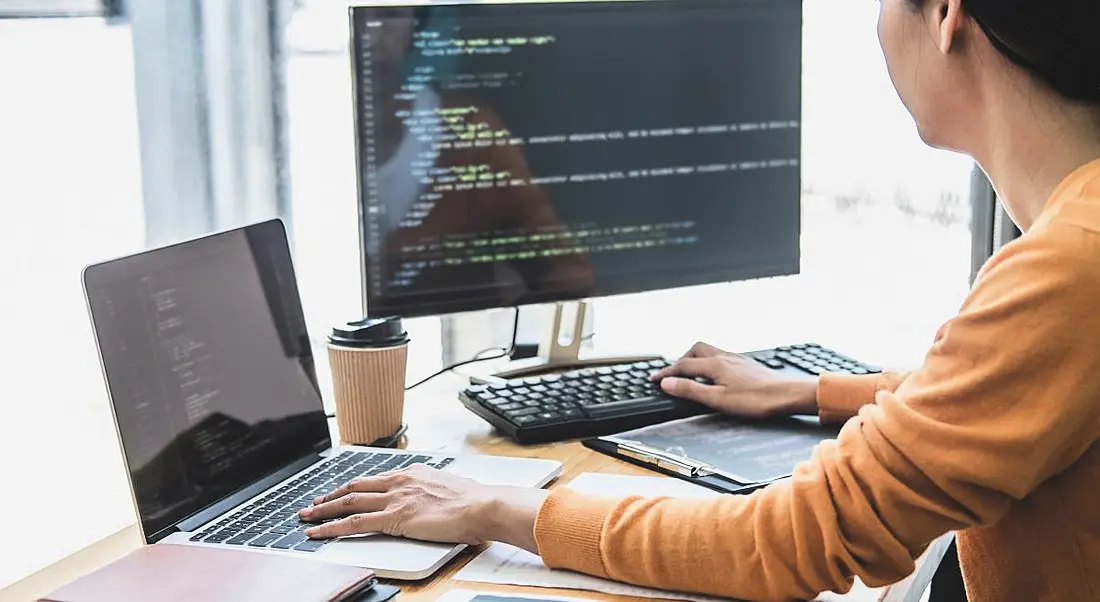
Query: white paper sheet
<point x="465" y="595"/>
<point x="507" y="565"/>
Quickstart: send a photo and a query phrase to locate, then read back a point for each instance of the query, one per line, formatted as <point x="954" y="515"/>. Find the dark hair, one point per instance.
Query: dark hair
<point x="1057" y="40"/>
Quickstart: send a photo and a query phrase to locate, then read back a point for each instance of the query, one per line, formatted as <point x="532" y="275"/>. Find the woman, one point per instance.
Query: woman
<point x="995" y="436"/>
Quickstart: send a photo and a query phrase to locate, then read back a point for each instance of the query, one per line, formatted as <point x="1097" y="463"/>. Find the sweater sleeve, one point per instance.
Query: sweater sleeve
<point x="1015" y="375"/>
<point x="840" y="396"/>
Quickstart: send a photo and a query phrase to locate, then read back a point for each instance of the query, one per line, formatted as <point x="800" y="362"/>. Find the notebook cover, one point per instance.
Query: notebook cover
<point x="177" y="573"/>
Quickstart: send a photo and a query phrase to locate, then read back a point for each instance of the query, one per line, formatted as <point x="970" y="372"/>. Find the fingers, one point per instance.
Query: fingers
<point x="356" y="524"/>
<point x="703" y="350"/>
<point x="348" y="505"/>
<point x="377" y="484"/>
<point x="690" y="389"/>
<point x="697" y="351"/>
<point x="690" y="367"/>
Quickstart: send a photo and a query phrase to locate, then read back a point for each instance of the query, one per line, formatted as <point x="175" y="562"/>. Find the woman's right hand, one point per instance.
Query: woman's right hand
<point x="737" y="385"/>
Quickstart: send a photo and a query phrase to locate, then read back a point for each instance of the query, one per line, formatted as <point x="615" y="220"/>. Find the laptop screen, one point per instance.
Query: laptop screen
<point x="208" y="365"/>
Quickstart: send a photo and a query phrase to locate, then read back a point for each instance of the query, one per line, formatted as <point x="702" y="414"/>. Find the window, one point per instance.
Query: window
<point x="886" y="236"/>
<point x="57" y="8"/>
<point x="70" y="194"/>
<point x="127" y="131"/>
<point x="322" y="178"/>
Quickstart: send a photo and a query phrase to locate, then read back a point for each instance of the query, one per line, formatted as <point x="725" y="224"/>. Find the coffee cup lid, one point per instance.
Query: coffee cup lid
<point x="370" y="333"/>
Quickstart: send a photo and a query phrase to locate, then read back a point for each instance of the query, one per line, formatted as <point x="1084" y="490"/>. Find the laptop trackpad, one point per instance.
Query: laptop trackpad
<point x="388" y="554"/>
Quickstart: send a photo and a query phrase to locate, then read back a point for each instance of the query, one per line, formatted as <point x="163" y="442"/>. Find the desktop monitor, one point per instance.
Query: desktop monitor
<point x="511" y="154"/>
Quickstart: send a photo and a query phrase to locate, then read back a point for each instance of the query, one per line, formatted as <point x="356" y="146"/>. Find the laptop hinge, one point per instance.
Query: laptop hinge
<point x="209" y="513"/>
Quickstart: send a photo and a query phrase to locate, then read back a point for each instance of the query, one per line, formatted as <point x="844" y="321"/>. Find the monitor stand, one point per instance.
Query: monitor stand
<point x="558" y="354"/>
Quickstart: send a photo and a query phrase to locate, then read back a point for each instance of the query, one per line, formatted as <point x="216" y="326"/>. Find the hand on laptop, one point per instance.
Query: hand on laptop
<point x="429" y="505"/>
<point x="738" y="385"/>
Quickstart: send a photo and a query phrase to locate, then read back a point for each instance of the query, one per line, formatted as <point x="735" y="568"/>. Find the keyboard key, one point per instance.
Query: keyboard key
<point x="241" y="539"/>
<point x="264" y="540"/>
<point x="310" y="545"/>
<point x="629" y="407"/>
<point x="289" y="541"/>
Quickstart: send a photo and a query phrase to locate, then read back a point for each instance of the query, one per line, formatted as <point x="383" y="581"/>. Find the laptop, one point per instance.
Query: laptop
<point x="211" y="379"/>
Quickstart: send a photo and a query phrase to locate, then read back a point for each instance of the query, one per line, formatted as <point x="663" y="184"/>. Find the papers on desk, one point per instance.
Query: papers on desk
<point x="760" y="451"/>
<point x="507" y="565"/>
<point x="462" y="595"/>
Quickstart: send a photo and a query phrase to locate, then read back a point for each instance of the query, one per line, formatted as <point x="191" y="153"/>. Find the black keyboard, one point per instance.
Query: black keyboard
<point x="602" y="401"/>
<point x="811" y="358"/>
<point x="271" y="521"/>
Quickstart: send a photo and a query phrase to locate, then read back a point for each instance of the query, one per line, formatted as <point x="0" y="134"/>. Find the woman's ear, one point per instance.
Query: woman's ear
<point x="948" y="20"/>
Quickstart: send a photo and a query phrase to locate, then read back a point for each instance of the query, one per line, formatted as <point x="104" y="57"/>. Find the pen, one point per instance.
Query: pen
<point x="662" y="459"/>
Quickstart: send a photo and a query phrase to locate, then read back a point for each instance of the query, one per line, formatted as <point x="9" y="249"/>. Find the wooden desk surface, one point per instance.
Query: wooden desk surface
<point x="437" y="422"/>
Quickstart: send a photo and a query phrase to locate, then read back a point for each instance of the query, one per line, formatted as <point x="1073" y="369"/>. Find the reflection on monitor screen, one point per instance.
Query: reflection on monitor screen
<point x="525" y="153"/>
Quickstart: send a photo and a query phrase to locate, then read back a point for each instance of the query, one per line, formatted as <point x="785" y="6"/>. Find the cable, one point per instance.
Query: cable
<point x="501" y="353"/>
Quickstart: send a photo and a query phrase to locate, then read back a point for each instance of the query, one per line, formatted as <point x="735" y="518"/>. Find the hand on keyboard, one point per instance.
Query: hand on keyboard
<point x="419" y="503"/>
<point x="738" y="385"/>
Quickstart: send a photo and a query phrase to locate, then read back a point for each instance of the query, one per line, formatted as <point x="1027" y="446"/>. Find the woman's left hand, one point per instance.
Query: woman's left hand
<point x="429" y="505"/>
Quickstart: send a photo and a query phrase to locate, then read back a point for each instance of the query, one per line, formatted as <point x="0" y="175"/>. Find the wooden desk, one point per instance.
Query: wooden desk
<point x="437" y="422"/>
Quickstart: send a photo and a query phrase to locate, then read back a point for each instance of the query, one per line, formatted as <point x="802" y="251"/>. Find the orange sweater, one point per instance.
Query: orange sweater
<point x="995" y="437"/>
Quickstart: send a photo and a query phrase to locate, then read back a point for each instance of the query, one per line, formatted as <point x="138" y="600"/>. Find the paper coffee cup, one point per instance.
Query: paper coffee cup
<point x="368" y="361"/>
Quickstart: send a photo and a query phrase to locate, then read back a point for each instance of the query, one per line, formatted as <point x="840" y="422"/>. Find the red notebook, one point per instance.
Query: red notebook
<point x="171" y="573"/>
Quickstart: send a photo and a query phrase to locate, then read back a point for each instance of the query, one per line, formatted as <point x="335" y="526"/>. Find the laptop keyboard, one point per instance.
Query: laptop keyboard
<point x="272" y="521"/>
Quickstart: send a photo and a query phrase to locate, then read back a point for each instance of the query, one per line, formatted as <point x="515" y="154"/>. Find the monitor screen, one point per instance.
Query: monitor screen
<point x="209" y="368"/>
<point x="523" y="153"/>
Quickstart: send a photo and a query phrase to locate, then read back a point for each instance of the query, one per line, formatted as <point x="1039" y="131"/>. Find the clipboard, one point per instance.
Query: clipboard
<point x="673" y="466"/>
<point x="733" y="456"/>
